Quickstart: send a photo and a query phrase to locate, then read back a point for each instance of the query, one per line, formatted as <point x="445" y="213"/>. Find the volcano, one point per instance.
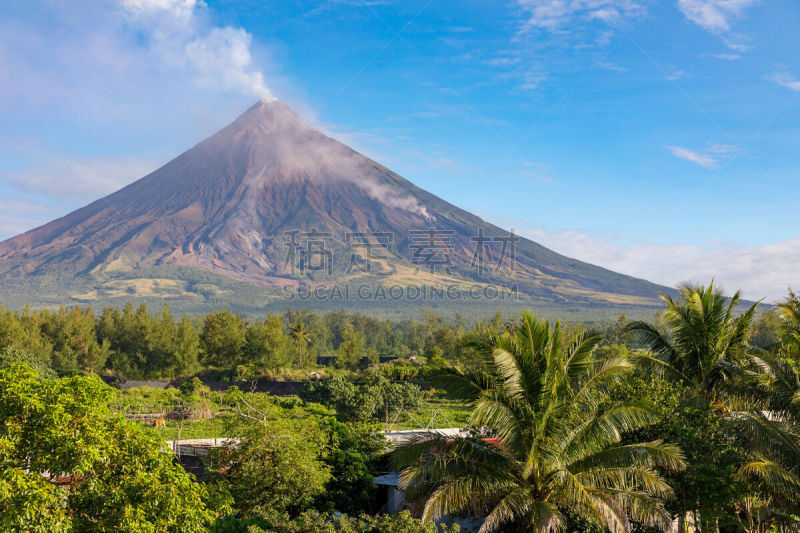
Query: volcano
<point x="270" y="203"/>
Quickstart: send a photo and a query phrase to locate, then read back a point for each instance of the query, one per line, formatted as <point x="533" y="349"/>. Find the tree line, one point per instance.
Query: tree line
<point x="134" y="343"/>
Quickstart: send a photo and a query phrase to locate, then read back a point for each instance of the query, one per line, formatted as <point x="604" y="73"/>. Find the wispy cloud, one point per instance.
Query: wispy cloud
<point x="675" y="74"/>
<point x="537" y="172"/>
<point x="88" y="178"/>
<point x="19" y="215"/>
<point x="709" y="158"/>
<point x="555" y="14"/>
<point x="183" y="9"/>
<point x="532" y="78"/>
<point x="334" y="4"/>
<point x="503" y="61"/>
<point x="551" y="28"/>
<point x="784" y="79"/>
<point x="613" y="67"/>
<point x="714" y="15"/>
<point x="764" y="271"/>
<point x="737" y="45"/>
<point x="728" y="57"/>
<point x="704" y="160"/>
<point x="717" y="16"/>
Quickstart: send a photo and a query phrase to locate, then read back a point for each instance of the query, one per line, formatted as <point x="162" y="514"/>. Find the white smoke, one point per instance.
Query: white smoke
<point x="333" y="160"/>
<point x="180" y="37"/>
<point x="391" y="197"/>
<point x="303" y="153"/>
<point x="223" y="57"/>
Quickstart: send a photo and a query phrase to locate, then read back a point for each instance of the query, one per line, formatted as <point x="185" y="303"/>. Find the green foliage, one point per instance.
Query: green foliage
<point x="146" y="399"/>
<point x="222" y="338"/>
<point x="558" y="446"/>
<point x="193" y="387"/>
<point x="709" y="486"/>
<point x="766" y="331"/>
<point x="400" y="370"/>
<point x="312" y="521"/>
<point x="737" y="418"/>
<point x="566" y="410"/>
<point x="301" y="340"/>
<point x="72" y="334"/>
<point x="266" y="343"/>
<point x="789" y="328"/>
<point x="84" y="469"/>
<point x="351" y="348"/>
<point x="277" y="465"/>
<point x="771" y="429"/>
<point x="11" y="356"/>
<point x="135" y="344"/>
<point x="186" y="348"/>
<point x="353" y="450"/>
<point x="367" y="401"/>
<point x="706" y="341"/>
<point x="149" y="346"/>
<point x="343" y="397"/>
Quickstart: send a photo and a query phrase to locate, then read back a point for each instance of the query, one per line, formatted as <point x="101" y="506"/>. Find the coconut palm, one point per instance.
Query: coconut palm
<point x="772" y="429"/>
<point x="705" y="341"/>
<point x="549" y="444"/>
<point x="789" y="312"/>
<point x="773" y="468"/>
<point x="777" y="386"/>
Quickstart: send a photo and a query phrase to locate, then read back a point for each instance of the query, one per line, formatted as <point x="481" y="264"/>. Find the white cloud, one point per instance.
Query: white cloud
<point x="555" y="14"/>
<point x="728" y="57"/>
<point x="571" y="25"/>
<point x="180" y="8"/>
<point x="714" y="15"/>
<point x="532" y="78"/>
<point x="764" y="271"/>
<point x="676" y="74"/>
<point x="613" y="67"/>
<point x="19" y="214"/>
<point x="737" y="46"/>
<point x="709" y="158"/>
<point x="503" y="61"/>
<point x="784" y="79"/>
<point x="704" y="160"/>
<point x="88" y="178"/>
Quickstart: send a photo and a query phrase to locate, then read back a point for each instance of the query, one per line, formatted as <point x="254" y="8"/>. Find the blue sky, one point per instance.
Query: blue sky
<point x="656" y="137"/>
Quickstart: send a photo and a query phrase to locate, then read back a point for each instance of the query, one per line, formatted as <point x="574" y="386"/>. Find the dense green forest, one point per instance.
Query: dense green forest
<point x="686" y="421"/>
<point x="135" y="343"/>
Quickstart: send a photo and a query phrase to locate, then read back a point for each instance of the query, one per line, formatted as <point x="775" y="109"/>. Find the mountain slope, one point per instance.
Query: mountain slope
<point x="272" y="202"/>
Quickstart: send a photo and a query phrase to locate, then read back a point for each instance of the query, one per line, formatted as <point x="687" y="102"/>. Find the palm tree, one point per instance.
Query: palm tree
<point x="705" y="342"/>
<point x="777" y="386"/>
<point x="772" y="429"/>
<point x="773" y="467"/>
<point x="790" y="330"/>
<point x="556" y="448"/>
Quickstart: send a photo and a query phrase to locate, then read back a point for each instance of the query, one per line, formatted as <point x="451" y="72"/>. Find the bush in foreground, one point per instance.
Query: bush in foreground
<point x="67" y="464"/>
